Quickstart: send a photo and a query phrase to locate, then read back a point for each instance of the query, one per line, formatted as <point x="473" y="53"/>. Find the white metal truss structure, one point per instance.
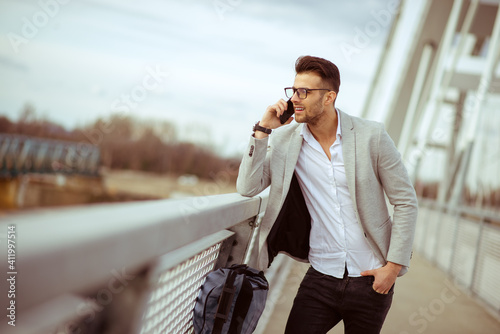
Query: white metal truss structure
<point x="437" y="91"/>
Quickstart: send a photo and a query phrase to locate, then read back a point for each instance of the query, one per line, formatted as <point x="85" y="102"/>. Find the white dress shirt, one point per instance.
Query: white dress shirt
<point x="336" y="239"/>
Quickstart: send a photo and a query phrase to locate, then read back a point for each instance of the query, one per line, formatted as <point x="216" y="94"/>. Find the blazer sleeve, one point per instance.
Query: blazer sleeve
<point x="254" y="173"/>
<point x="401" y="194"/>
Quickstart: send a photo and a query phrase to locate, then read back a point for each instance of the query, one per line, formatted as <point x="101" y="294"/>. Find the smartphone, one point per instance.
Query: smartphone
<point x="288" y="112"/>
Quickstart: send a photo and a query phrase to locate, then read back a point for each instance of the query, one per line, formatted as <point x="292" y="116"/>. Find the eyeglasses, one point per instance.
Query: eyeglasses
<point x="301" y="92"/>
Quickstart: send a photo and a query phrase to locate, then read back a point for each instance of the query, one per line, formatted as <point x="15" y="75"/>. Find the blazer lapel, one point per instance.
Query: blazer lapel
<point x="349" y="153"/>
<point x="294" y="146"/>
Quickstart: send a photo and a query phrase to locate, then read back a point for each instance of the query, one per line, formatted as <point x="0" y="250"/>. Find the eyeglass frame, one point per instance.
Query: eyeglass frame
<point x="295" y="90"/>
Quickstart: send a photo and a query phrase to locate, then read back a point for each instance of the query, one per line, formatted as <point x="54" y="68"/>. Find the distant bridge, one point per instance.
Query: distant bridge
<point x="38" y="172"/>
<point x="22" y="155"/>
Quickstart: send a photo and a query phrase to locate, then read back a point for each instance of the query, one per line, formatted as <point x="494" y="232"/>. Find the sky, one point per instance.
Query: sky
<point x="211" y="67"/>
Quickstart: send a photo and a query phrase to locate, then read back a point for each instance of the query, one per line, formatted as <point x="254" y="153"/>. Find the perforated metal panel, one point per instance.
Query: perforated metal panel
<point x="462" y="265"/>
<point x="170" y="306"/>
<point x="444" y="247"/>
<point x="433" y="222"/>
<point x="488" y="267"/>
<point x="466" y="247"/>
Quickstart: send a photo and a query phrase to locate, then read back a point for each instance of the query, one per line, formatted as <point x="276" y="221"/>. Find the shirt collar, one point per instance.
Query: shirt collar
<point x="307" y="135"/>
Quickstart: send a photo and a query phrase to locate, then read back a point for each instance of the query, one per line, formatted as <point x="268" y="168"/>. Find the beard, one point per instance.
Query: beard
<point x="311" y="115"/>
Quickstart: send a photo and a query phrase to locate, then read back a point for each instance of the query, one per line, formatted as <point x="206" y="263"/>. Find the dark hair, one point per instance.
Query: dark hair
<point x="327" y="70"/>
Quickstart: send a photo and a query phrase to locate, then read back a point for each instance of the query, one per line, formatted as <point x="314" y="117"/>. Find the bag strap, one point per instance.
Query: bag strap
<point x="205" y="308"/>
<point x="241" y="306"/>
<point x="225" y="302"/>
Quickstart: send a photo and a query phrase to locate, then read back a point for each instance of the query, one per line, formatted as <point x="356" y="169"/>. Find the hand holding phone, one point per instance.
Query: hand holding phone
<point x="288" y="112"/>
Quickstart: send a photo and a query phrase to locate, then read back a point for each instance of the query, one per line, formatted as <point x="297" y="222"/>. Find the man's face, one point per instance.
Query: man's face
<point x="310" y="109"/>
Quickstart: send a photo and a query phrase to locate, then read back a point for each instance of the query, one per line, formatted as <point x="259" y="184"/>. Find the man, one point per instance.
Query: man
<point x="328" y="174"/>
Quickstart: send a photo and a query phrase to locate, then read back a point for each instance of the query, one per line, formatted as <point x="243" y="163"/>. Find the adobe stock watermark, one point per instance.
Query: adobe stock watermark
<point x="39" y="20"/>
<point x="439" y="133"/>
<point x="420" y="319"/>
<point x="200" y="202"/>
<point x="371" y="30"/>
<point x="223" y="6"/>
<point x="151" y="81"/>
<point x="154" y="78"/>
<point x="88" y="310"/>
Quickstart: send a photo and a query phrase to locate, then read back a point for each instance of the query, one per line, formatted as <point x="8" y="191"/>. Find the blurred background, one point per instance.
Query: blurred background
<point x="152" y="103"/>
<point x="142" y="81"/>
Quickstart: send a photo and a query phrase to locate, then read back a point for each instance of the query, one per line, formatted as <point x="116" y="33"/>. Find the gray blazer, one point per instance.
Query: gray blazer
<point x="373" y="167"/>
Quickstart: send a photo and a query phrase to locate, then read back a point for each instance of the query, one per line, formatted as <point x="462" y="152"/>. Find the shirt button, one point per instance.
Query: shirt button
<point x="251" y="150"/>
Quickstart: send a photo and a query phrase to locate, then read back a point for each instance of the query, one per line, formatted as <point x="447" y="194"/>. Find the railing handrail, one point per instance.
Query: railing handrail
<point x="75" y="249"/>
<point x="480" y="214"/>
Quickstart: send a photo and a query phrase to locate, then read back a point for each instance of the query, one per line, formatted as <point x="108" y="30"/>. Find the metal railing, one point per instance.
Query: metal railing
<point x="137" y="267"/>
<point x="120" y="268"/>
<point x="464" y="243"/>
<point x="21" y="154"/>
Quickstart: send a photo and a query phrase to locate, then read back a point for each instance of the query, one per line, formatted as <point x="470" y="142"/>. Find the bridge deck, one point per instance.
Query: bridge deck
<point x="425" y="301"/>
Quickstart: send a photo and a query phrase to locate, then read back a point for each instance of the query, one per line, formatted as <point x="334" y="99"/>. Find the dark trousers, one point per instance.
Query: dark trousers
<point x="322" y="301"/>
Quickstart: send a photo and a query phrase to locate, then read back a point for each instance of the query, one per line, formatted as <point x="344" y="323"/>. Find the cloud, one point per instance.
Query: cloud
<point x="223" y="70"/>
<point x="9" y="63"/>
